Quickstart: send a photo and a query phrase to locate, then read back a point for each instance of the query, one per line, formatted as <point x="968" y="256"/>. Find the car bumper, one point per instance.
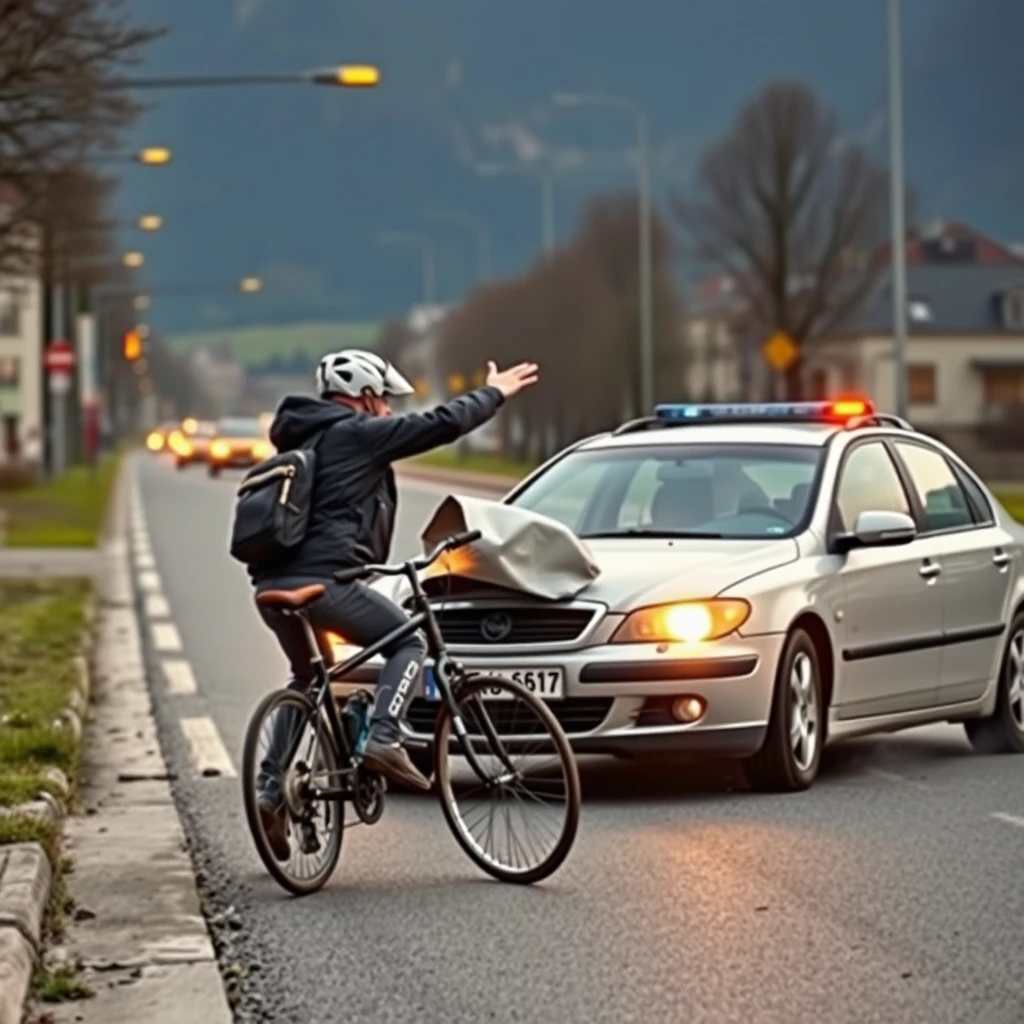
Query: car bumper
<point x="618" y="698"/>
<point x="240" y="460"/>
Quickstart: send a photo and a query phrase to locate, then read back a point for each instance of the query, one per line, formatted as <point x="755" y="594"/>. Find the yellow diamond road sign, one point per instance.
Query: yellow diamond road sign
<point x="780" y="352"/>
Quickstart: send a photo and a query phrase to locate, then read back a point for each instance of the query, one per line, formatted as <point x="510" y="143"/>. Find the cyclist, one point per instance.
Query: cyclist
<point x="351" y="523"/>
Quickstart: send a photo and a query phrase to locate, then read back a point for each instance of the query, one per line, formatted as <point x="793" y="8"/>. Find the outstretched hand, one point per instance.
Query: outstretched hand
<point x="511" y="381"/>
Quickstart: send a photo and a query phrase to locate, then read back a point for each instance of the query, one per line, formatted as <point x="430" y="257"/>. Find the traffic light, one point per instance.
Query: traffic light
<point x="132" y="345"/>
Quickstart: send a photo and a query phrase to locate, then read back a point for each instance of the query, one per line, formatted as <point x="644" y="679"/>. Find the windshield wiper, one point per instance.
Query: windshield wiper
<point x="639" y="531"/>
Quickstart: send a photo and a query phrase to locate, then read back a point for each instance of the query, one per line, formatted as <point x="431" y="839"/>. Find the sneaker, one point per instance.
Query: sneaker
<point x="393" y="762"/>
<point x="272" y="820"/>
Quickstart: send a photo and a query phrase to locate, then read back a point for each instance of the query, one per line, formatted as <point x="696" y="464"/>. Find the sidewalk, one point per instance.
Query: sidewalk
<point x="49" y="563"/>
<point x="137" y="932"/>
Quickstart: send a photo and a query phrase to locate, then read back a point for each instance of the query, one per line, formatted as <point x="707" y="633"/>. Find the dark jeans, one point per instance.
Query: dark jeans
<point x="362" y="617"/>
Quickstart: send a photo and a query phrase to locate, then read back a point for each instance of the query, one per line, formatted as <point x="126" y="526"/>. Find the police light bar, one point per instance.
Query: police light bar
<point x="836" y="411"/>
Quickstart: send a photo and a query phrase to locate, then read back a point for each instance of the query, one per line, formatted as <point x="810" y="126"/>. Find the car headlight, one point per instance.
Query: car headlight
<point x="688" y="622"/>
<point x="220" y="449"/>
<point x="262" y="450"/>
<point x="340" y="647"/>
<point x="155" y="441"/>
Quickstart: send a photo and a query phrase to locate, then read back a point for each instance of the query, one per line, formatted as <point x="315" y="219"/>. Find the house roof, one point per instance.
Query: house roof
<point x="943" y="299"/>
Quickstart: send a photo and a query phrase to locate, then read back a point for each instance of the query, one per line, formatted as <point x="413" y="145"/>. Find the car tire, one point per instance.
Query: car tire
<point x="1003" y="731"/>
<point x="789" y="759"/>
<point x="214" y="471"/>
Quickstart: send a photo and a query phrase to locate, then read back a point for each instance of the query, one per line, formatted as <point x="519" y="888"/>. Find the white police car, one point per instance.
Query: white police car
<point x="772" y="577"/>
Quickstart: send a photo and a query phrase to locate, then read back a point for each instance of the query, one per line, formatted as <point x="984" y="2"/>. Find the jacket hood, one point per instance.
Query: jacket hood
<point x="298" y="417"/>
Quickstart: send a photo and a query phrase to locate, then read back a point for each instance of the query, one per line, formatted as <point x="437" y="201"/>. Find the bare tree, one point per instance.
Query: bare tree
<point x="58" y="62"/>
<point x="794" y="212"/>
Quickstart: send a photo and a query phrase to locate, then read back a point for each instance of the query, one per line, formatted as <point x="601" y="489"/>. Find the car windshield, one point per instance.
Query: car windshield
<point x="724" y="490"/>
<point x="239" y="428"/>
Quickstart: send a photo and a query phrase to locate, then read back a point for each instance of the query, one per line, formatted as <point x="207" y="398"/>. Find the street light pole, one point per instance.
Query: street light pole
<point x="429" y="261"/>
<point x="547" y="195"/>
<point x="483" y="240"/>
<point x="898" y="214"/>
<point x="645" y="258"/>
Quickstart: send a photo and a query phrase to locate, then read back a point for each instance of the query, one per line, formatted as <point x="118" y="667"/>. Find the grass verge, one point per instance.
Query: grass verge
<point x="60" y="984"/>
<point x="63" y="513"/>
<point x="41" y="626"/>
<point x="475" y="462"/>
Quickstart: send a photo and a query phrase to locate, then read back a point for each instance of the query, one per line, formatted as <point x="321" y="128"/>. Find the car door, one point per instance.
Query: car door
<point x="890" y="615"/>
<point x="977" y="570"/>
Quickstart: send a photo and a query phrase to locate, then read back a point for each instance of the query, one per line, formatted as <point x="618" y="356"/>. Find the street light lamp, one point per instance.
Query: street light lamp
<point x="639" y="115"/>
<point x="427" y="251"/>
<point x="154" y="156"/>
<point x="483" y="240"/>
<point x="547" y="185"/>
<point x="150" y="222"/>
<point x="133" y="260"/>
<point x="349" y="76"/>
<point x="250" y="285"/>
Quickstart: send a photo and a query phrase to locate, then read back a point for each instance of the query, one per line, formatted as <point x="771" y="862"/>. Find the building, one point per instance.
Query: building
<point x="21" y="332"/>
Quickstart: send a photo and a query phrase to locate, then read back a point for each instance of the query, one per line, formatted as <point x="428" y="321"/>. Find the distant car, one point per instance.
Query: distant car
<point x="156" y="439"/>
<point x="237" y="443"/>
<point x="191" y="443"/>
<point x="772" y="578"/>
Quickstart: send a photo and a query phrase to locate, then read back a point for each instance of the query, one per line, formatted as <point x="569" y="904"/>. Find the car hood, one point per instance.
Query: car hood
<point x="639" y="571"/>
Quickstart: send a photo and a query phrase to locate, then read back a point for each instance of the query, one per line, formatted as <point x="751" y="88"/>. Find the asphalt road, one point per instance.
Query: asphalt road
<point x="891" y="892"/>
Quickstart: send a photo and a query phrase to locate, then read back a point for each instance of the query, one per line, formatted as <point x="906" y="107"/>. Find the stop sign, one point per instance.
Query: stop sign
<point x="59" y="357"/>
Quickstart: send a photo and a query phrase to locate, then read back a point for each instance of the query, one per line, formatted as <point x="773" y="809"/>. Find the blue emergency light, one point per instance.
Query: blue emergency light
<point x="836" y="411"/>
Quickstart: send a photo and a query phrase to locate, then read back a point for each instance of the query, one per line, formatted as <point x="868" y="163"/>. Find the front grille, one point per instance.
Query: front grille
<point x="512" y="625"/>
<point x="576" y="714"/>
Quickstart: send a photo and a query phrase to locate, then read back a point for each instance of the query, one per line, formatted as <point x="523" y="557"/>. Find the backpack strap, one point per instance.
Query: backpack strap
<point x="311" y="442"/>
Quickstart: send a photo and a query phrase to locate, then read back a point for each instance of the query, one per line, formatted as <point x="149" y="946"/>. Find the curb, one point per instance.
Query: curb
<point x="26" y="874"/>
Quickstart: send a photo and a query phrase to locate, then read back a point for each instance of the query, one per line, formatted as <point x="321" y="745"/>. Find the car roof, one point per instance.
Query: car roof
<point x="811" y="434"/>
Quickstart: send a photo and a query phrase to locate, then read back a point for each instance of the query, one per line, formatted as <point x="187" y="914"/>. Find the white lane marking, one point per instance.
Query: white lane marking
<point x="157" y="607"/>
<point x="166" y="636"/>
<point x="149" y="581"/>
<point x="145" y="561"/>
<point x="1009" y="819"/>
<point x="897" y="778"/>
<point x="180" y="679"/>
<point x="208" y="752"/>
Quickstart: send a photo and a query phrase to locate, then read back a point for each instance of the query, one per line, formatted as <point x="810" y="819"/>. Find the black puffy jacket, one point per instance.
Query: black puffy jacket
<point x="352" y="516"/>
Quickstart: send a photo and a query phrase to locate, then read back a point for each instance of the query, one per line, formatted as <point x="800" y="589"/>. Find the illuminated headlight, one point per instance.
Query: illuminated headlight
<point x="262" y="450"/>
<point x="179" y="444"/>
<point x="155" y="441"/>
<point x="340" y="647"/>
<point x="220" y="450"/>
<point x="689" y="622"/>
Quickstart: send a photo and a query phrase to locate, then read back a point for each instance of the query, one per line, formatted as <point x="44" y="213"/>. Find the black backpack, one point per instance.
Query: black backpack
<point x="273" y="505"/>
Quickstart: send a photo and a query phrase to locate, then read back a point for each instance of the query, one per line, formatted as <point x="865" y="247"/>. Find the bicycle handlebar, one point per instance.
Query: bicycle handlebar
<point x="361" y="572"/>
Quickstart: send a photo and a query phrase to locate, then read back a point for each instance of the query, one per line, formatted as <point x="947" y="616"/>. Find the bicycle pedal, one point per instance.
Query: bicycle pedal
<point x="309" y="841"/>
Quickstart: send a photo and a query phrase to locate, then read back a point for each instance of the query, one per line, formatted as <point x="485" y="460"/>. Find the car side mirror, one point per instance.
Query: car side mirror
<point x="877" y="530"/>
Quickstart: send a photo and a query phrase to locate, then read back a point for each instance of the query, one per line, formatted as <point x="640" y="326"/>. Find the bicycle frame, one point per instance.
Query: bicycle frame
<point x="436" y="649"/>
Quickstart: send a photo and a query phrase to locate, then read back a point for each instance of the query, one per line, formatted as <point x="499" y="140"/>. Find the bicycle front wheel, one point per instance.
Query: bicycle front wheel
<point x="517" y="817"/>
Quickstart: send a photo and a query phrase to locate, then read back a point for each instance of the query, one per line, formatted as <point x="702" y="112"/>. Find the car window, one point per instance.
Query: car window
<point x="982" y="507"/>
<point x="567" y="503"/>
<point x="868" y="482"/>
<point x="239" y="428"/>
<point x="939" y="491"/>
<point x="731" y="490"/>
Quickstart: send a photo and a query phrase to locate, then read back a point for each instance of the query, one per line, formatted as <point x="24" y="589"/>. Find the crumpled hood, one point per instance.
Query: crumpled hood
<point x="638" y="572"/>
<point x="298" y="417"/>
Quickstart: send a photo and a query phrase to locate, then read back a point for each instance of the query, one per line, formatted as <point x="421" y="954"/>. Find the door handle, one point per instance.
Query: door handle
<point x="1001" y="559"/>
<point x="929" y="570"/>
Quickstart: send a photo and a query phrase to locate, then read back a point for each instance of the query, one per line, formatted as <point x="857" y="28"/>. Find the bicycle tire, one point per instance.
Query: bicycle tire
<point x="443" y="734"/>
<point x="250" y="754"/>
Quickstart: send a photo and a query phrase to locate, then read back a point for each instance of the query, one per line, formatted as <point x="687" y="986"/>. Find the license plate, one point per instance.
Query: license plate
<point x="547" y="683"/>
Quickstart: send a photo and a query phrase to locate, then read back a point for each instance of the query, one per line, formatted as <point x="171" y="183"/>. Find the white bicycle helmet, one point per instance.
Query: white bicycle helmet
<point x="352" y="372"/>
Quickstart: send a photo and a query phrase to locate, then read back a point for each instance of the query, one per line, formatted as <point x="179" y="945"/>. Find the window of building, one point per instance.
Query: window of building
<point x="1013" y="309"/>
<point x="1004" y="386"/>
<point x="10" y="316"/>
<point x="921" y="384"/>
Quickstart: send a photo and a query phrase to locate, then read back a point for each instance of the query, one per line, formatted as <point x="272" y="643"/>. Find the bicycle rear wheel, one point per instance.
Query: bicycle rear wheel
<point x="530" y="776"/>
<point x="314" y="829"/>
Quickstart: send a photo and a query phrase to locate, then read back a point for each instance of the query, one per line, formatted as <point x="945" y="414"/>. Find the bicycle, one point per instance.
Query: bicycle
<point x="317" y="786"/>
